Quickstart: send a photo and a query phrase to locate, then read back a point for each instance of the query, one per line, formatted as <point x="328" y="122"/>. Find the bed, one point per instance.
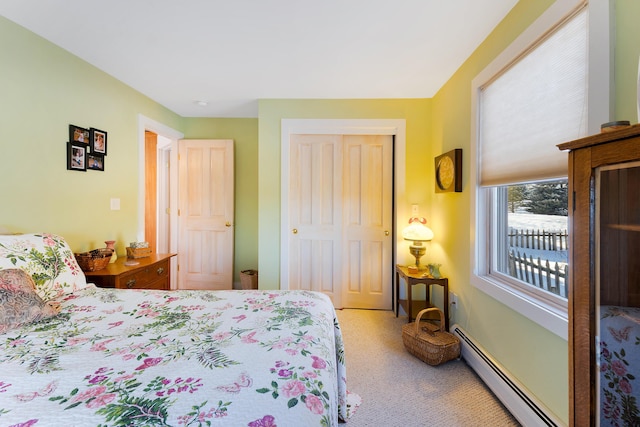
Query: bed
<point x="75" y="354"/>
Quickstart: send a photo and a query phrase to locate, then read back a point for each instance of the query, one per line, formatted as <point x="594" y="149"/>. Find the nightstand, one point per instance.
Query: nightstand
<point x="412" y="307"/>
<point x="152" y="272"/>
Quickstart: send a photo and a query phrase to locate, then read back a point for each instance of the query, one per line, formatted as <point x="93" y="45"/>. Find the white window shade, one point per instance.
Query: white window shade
<point x="535" y="104"/>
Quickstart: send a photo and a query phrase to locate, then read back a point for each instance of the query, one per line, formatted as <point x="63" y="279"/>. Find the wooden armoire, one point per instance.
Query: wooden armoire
<point x="604" y="278"/>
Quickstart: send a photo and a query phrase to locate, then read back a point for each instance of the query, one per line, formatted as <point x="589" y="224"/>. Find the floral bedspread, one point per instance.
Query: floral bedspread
<point x="619" y="366"/>
<point x="177" y="358"/>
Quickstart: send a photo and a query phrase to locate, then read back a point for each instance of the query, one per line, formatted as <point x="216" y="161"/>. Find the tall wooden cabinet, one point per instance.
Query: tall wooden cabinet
<point x="604" y="278"/>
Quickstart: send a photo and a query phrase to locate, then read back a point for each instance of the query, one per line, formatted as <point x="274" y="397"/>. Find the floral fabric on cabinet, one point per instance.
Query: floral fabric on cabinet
<point x="619" y="366"/>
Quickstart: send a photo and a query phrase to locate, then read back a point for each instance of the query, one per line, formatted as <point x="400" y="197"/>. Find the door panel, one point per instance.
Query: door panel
<point x="205" y="254"/>
<point x="315" y="199"/>
<point x="340" y="206"/>
<point x="368" y="221"/>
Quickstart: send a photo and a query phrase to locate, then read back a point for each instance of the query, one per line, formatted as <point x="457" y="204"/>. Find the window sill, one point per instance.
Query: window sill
<point x="549" y="317"/>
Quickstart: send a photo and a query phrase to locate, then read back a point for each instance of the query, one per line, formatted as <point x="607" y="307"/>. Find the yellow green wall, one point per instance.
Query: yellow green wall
<point x="535" y="356"/>
<point x="538" y="358"/>
<point x="44" y="89"/>
<point x="627" y="54"/>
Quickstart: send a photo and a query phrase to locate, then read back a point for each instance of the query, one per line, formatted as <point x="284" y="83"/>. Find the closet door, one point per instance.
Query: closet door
<point x="367" y="221"/>
<point x="315" y="215"/>
<point x="340" y="215"/>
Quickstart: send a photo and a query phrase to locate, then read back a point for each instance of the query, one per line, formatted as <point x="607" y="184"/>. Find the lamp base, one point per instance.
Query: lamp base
<point x="417" y="250"/>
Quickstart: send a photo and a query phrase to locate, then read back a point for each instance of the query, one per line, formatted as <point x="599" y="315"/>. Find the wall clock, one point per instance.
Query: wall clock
<point x="449" y="171"/>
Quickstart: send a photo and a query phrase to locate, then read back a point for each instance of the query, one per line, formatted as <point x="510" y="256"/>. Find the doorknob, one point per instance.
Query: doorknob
<point x="386" y="232"/>
<point x="227" y="224"/>
<point x="295" y="231"/>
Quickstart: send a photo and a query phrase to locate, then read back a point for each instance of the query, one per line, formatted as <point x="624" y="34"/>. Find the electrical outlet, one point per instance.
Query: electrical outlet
<point x="453" y="300"/>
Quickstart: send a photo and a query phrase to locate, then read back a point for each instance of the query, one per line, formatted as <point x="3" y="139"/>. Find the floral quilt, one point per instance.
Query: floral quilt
<point x="619" y="366"/>
<point x="177" y="358"/>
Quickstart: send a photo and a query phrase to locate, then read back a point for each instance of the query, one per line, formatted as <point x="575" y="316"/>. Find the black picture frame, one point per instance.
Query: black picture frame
<point x="79" y="134"/>
<point x="98" y="140"/>
<point x="448" y="171"/>
<point x="77" y="156"/>
<point x="95" y="162"/>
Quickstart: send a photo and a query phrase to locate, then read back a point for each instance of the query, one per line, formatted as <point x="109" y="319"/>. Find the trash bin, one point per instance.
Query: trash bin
<point x="249" y="279"/>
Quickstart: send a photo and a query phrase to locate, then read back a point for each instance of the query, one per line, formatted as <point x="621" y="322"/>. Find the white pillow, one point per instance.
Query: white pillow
<point x="47" y="258"/>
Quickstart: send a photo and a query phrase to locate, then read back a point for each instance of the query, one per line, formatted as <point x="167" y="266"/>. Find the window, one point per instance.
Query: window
<point x="530" y="236"/>
<point x="533" y="97"/>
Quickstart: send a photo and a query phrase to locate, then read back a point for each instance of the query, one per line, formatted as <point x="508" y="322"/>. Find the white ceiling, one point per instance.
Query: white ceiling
<point x="231" y="53"/>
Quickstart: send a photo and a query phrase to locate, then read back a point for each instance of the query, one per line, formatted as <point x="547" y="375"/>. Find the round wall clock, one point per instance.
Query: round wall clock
<point x="449" y="171"/>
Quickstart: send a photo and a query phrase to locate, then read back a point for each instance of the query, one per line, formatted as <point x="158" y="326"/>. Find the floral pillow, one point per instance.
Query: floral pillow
<point x="47" y="258"/>
<point x="19" y="302"/>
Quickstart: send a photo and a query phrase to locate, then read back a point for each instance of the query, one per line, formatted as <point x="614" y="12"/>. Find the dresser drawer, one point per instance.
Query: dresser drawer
<point x="144" y="277"/>
<point x="153" y="272"/>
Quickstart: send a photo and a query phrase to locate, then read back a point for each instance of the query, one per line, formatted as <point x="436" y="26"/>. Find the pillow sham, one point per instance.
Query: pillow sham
<point x="19" y="302"/>
<point x="47" y="258"/>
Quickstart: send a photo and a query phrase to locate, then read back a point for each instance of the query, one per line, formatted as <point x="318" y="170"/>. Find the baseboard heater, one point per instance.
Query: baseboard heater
<point x="523" y="406"/>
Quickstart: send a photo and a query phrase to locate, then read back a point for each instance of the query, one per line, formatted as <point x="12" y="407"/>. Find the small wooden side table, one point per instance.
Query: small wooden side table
<point x="152" y="272"/>
<point x="409" y="305"/>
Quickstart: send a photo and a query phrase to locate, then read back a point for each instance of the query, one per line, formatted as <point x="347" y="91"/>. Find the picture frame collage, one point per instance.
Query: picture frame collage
<point x="86" y="149"/>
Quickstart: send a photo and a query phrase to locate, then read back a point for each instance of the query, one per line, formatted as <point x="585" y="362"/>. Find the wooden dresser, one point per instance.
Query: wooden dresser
<point x="152" y="272"/>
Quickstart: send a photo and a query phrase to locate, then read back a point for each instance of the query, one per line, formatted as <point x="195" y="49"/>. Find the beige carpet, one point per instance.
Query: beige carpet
<point x="397" y="389"/>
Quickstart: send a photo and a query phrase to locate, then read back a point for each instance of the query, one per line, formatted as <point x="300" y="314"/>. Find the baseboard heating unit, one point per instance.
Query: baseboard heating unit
<point x="526" y="408"/>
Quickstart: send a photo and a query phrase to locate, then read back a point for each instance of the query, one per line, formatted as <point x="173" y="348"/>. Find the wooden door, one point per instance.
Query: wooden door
<point x="151" y="188"/>
<point x="205" y="214"/>
<point x="315" y="215"/>
<point x="367" y="221"/>
<point x="340" y="215"/>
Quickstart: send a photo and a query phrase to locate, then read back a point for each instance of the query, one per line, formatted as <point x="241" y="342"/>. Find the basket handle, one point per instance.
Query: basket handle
<point x="426" y="310"/>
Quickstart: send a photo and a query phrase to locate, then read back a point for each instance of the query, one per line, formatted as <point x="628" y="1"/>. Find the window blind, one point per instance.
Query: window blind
<point x="537" y="102"/>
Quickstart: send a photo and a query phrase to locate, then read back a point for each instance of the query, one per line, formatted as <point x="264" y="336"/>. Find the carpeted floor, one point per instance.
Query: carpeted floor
<point x="397" y="389"/>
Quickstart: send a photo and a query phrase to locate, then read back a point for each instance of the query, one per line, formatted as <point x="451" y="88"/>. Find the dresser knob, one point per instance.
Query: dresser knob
<point x="131" y="283"/>
<point x="160" y="271"/>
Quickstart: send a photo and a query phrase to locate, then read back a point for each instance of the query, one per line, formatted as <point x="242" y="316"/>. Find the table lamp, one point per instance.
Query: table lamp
<point x="417" y="232"/>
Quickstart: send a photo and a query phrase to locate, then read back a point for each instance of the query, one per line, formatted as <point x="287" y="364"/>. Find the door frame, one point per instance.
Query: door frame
<point x="395" y="127"/>
<point x="148" y="124"/>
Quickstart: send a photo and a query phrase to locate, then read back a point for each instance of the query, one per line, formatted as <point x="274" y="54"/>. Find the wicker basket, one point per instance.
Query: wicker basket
<point x="249" y="279"/>
<point x="138" y="252"/>
<point x="428" y="342"/>
<point x="94" y="260"/>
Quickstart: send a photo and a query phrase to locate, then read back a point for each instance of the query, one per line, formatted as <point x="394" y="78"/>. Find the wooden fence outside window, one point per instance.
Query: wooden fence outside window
<point x="539" y="272"/>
